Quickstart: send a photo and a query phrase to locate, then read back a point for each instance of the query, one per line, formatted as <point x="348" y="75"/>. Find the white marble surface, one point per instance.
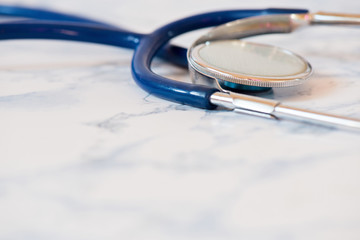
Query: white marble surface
<point x="86" y="154"/>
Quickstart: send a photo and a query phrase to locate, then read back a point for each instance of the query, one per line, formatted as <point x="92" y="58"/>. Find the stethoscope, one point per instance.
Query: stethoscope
<point x="221" y="65"/>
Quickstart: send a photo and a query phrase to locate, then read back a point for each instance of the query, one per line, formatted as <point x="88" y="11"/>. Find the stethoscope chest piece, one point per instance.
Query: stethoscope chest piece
<point x="238" y="65"/>
<point x="219" y="59"/>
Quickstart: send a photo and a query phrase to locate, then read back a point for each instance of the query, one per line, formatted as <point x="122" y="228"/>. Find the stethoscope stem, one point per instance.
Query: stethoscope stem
<point x="268" y="108"/>
<point x="334" y="18"/>
<point x="291" y="113"/>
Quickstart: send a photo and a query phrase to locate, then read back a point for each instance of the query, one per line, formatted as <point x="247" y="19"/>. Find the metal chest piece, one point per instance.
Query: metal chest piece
<point x="220" y="59"/>
<point x="246" y="66"/>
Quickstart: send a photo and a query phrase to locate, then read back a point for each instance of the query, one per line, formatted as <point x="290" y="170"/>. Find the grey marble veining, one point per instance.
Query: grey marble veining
<point x="86" y="154"/>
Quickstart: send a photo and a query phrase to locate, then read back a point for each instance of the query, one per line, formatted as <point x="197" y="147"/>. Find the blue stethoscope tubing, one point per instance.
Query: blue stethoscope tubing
<point x="45" y="24"/>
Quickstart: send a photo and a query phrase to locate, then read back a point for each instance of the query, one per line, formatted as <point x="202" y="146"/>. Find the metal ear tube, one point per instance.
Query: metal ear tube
<point x="267" y="108"/>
